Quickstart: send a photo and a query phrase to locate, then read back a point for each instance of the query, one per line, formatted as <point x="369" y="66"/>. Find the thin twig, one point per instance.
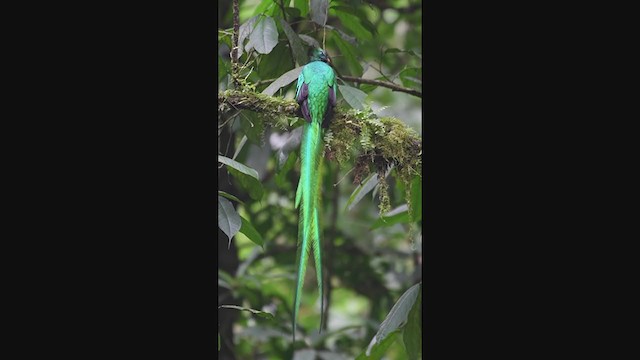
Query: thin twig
<point x="234" y="50"/>
<point x="389" y="85"/>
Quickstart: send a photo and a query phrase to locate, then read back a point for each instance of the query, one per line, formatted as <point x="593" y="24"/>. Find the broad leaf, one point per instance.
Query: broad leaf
<point x="246" y="176"/>
<point x="412" y="77"/>
<point x="262" y="314"/>
<point x="343" y="35"/>
<point x="228" y="219"/>
<point x="238" y="166"/>
<point x="303" y="5"/>
<point x="264" y="36"/>
<point x="319" y="10"/>
<point x="377" y="350"/>
<point x="284" y="80"/>
<point x="394" y="50"/>
<point x="243" y="33"/>
<point x="396" y="216"/>
<point x="355" y="97"/>
<point x="295" y="42"/>
<point x="264" y="7"/>
<point x="412" y="333"/>
<point x="362" y="190"/>
<point x="240" y="146"/>
<point x="346" y="9"/>
<point x="352" y="23"/>
<point x="276" y="63"/>
<point x="251" y="233"/>
<point x="248" y="183"/>
<point x="396" y="318"/>
<point x="229" y="196"/>
<point x="347" y="50"/>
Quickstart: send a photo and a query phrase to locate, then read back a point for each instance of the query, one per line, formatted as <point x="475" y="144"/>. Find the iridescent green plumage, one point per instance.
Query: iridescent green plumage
<point x="316" y="94"/>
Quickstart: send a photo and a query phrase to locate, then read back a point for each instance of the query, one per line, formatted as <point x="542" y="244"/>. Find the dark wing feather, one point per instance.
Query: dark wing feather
<point x="332" y="104"/>
<point x="302" y="100"/>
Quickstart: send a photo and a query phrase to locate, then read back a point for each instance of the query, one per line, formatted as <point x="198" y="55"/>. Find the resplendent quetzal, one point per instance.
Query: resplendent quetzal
<point x="316" y="94"/>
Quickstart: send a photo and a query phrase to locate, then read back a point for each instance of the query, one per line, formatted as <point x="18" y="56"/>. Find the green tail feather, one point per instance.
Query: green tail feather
<point x="308" y="199"/>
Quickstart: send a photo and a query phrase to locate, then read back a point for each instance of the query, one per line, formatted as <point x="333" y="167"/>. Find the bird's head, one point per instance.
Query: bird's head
<point x="318" y="54"/>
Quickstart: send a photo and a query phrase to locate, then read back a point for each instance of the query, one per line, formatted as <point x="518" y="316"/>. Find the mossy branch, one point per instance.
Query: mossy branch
<point x="385" y="141"/>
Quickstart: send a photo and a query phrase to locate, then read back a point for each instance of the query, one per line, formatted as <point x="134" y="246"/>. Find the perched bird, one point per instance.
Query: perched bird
<point x="316" y="94"/>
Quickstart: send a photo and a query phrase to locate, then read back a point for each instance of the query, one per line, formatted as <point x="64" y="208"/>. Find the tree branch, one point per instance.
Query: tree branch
<point x="389" y="85"/>
<point x="234" y="49"/>
<point x="386" y="140"/>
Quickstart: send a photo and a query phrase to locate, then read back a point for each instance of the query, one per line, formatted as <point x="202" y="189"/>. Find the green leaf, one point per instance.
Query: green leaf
<point x="412" y="333"/>
<point x="229" y="196"/>
<point x="249" y="184"/>
<point x="368" y="88"/>
<point x="264" y="36"/>
<point x="228" y="219"/>
<point x="246" y="176"/>
<point x="238" y="166"/>
<point x="396" y="319"/>
<point x="303" y="5"/>
<point x="352" y="23"/>
<point x="416" y="198"/>
<point x="355" y="97"/>
<point x="349" y="54"/>
<point x="377" y="351"/>
<point x="284" y="80"/>
<point x="362" y="190"/>
<point x="411" y="77"/>
<point x="251" y="233"/>
<point x="394" y="50"/>
<point x="396" y="216"/>
<point x="276" y="63"/>
<point x="319" y="11"/>
<point x="240" y="146"/>
<point x="262" y="314"/>
<point x="295" y="42"/>
<point x="345" y="9"/>
<point x="265" y="5"/>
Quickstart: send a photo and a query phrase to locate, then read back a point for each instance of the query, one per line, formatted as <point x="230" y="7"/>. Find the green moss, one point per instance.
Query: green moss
<point x="383" y="193"/>
<point x="382" y="141"/>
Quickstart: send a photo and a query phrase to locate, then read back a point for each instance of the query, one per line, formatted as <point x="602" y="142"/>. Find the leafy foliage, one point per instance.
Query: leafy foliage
<point x="371" y="263"/>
